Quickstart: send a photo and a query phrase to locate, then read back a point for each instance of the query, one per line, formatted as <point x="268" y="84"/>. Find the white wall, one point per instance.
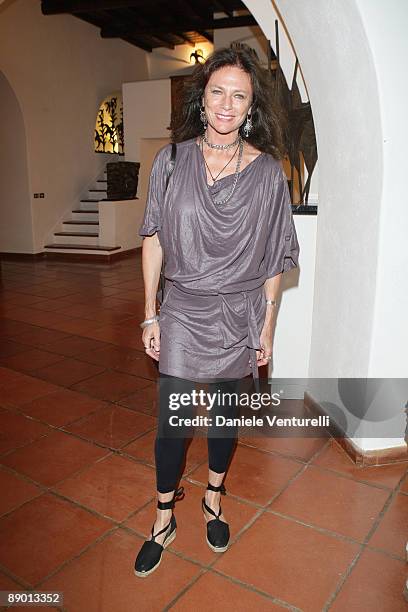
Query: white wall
<point x="386" y="25"/>
<point x="351" y="162"/>
<point x="163" y="62"/>
<point x="291" y="348"/>
<point x="15" y="206"/>
<point x="60" y="70"/>
<point x="354" y="84"/>
<point x="117" y="221"/>
<point x="146" y="115"/>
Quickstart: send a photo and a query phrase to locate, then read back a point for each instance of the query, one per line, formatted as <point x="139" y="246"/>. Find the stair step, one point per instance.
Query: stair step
<point x="88" y="234"/>
<point x="97" y="190"/>
<point x="74" y="222"/>
<point x="89" y="200"/>
<point x="87" y="247"/>
<point x="101" y="181"/>
<point x="83" y="210"/>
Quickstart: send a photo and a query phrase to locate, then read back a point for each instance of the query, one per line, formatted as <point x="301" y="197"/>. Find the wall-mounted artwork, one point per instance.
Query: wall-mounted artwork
<point x="109" y="134"/>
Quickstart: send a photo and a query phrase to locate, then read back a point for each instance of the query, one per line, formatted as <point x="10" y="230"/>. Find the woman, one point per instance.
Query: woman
<point x="225" y="227"/>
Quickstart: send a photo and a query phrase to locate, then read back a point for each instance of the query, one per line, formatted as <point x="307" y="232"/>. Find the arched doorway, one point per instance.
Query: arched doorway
<point x="349" y="137"/>
<point x="352" y="57"/>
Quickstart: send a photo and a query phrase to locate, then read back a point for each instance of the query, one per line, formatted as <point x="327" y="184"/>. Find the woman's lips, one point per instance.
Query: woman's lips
<point x="224" y="117"/>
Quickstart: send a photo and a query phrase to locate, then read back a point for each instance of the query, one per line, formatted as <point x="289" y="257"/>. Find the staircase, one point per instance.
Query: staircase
<point x="80" y="233"/>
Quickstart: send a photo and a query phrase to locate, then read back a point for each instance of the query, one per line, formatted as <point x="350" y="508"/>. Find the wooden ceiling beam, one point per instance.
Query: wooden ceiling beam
<point x="203" y="9"/>
<point x="219" y="6"/>
<point x="143" y="18"/>
<point x="187" y="40"/>
<point x="160" y="41"/>
<point x="206" y="35"/>
<point x="57" y="7"/>
<point x="191" y="25"/>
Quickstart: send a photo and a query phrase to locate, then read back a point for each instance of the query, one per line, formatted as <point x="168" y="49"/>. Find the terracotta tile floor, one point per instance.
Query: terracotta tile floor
<point x="310" y="530"/>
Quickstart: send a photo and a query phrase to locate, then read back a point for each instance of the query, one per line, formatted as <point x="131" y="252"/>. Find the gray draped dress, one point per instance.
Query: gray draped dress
<point x="217" y="258"/>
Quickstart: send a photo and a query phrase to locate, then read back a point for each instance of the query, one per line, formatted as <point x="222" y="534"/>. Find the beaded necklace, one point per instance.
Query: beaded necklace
<point x="236" y="177"/>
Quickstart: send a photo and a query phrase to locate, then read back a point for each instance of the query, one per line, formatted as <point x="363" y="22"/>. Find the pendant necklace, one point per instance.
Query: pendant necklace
<point x="236" y="177"/>
<point x="228" y="162"/>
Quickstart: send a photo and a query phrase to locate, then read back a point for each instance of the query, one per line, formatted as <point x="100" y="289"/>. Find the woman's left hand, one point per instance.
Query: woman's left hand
<point x="264" y="356"/>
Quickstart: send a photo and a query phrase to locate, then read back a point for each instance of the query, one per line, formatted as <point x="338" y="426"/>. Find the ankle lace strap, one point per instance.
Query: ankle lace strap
<point x="216" y="489"/>
<point x="178" y="494"/>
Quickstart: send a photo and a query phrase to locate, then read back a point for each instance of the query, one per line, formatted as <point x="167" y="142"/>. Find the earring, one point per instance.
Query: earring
<point x="248" y="125"/>
<point x="203" y="116"/>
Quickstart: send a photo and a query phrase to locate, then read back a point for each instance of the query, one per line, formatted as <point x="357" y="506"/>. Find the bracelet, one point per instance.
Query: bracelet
<point x="147" y="322"/>
<point x="272" y="302"/>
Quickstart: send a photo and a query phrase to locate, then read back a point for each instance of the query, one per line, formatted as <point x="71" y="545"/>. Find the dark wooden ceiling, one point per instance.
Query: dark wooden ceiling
<point x="155" y="23"/>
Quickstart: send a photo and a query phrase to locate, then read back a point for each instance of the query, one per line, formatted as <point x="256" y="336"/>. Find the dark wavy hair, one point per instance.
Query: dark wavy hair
<point x="267" y="122"/>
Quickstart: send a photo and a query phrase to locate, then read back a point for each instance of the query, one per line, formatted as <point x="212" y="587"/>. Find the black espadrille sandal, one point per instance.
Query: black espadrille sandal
<point x="218" y="534"/>
<point x="149" y="556"/>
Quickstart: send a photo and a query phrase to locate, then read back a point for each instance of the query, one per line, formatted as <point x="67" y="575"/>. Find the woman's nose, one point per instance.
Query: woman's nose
<point x="227" y="102"/>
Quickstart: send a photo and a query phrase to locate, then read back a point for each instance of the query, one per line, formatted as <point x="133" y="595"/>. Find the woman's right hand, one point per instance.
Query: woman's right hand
<point x="151" y="340"/>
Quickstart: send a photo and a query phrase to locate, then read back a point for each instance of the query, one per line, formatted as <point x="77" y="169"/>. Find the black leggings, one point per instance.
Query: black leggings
<point x="170" y="443"/>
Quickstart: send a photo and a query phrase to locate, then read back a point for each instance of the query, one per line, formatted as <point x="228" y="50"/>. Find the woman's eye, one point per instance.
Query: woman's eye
<point x="216" y="91"/>
<point x="240" y="96"/>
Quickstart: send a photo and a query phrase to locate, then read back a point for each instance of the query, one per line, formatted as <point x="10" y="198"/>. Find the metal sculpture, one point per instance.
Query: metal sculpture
<point x="109" y="133"/>
<point x="298" y="126"/>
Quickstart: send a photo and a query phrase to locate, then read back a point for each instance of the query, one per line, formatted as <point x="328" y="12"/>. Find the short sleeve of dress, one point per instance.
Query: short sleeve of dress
<point x="155" y="193"/>
<point x="282" y="247"/>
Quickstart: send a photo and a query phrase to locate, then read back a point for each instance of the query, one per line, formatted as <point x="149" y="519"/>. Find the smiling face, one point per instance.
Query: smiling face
<point x="227" y="99"/>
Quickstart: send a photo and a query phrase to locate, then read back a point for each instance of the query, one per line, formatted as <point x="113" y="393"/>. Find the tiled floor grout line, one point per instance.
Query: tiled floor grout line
<point x="257" y="515"/>
<point x="35" y="373"/>
<point x="100" y="444"/>
<point x="70" y="388"/>
<point x="267" y="507"/>
<point x="246" y="586"/>
<point x="17" y="448"/>
<point x="276" y="453"/>
<point x="9" y="318"/>
<point x="18" y="410"/>
<point x="61" y="428"/>
<point x="79" y="554"/>
<point x="386" y="553"/>
<point x="393" y="494"/>
<point x="375" y="525"/>
<point x="401" y="482"/>
<point x="120" y="525"/>
<point x="249" y="587"/>
<point x="210" y="568"/>
<point x="184" y="590"/>
<point x="341" y="582"/>
<point x="335" y="534"/>
<point x="7" y="572"/>
<point x="51" y="489"/>
<point x="263" y="508"/>
<point x="84" y="550"/>
<point x="375" y="485"/>
<point x="117" y="525"/>
<point x="48" y="433"/>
